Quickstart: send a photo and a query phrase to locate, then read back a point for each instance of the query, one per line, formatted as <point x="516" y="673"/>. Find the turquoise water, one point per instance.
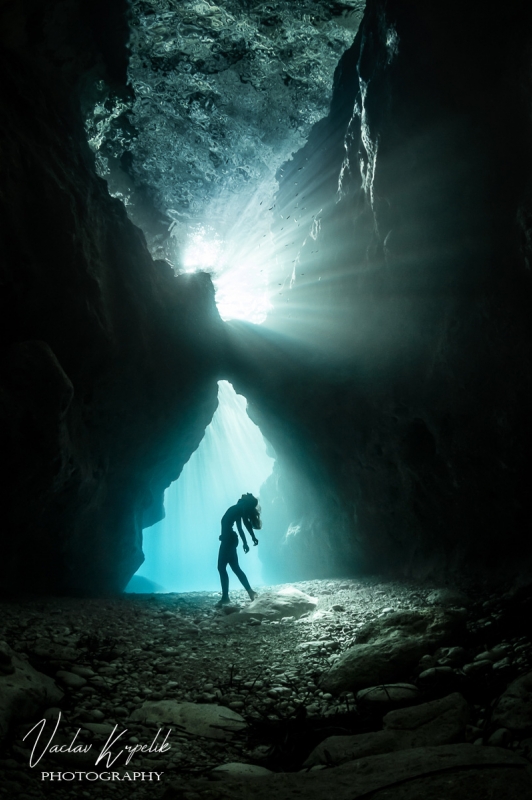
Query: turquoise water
<point x="181" y="551"/>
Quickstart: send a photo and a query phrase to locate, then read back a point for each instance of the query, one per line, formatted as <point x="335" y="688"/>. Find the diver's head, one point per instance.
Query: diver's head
<point x="248" y="501"/>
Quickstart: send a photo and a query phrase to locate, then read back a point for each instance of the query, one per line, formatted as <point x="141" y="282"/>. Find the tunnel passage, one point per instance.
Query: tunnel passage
<point x="391" y="368"/>
<point x="181" y="550"/>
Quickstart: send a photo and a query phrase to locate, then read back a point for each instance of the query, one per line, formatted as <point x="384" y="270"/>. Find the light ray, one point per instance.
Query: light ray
<point x="181" y="551"/>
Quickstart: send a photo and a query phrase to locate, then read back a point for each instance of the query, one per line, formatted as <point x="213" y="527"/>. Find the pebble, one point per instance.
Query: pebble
<point x="70" y="679"/>
<point x="500" y="738"/>
<point x="477" y="667"/>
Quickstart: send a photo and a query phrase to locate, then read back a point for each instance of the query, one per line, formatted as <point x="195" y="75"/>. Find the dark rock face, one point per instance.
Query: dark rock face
<point x="412" y="285"/>
<point x="221" y="96"/>
<point x="107" y="360"/>
<point x="393" y="379"/>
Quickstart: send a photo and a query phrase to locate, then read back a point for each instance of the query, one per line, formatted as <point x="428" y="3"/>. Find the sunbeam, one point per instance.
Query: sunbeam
<point x="181" y="550"/>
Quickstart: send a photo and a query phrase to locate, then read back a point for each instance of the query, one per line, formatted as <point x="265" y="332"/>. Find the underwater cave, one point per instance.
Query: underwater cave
<point x="281" y="248"/>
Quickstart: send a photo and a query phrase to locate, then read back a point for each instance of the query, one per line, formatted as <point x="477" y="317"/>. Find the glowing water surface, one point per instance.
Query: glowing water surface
<point x="182" y="550"/>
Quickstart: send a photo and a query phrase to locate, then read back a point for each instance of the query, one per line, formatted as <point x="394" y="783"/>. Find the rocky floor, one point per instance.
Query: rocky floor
<point x="112" y="655"/>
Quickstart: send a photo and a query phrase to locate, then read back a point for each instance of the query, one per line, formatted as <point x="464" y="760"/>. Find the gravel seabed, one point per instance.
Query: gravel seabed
<point x="180" y="647"/>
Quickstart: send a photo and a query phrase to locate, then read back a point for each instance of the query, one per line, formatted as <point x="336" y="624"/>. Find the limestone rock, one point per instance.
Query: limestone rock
<point x="99" y="728"/>
<point x="51" y="651"/>
<point x="70" y="679"/>
<point x="6" y="660"/>
<point x="209" y="720"/>
<point x="449" y="772"/>
<point x="435" y="723"/>
<point x="388" y="694"/>
<point x="439" y="722"/>
<point x="447" y="597"/>
<point x="239" y="60"/>
<point x="363" y="664"/>
<point x="500" y="738"/>
<point x="477" y="667"/>
<point x="287" y="602"/>
<point x="390" y="648"/>
<point x="514" y="709"/>
<point x="85" y="672"/>
<point x="241" y="770"/>
<point x="450" y="656"/>
<point x="24" y="692"/>
<point x="435" y="624"/>
<point x="438" y="678"/>
<point x="337" y="750"/>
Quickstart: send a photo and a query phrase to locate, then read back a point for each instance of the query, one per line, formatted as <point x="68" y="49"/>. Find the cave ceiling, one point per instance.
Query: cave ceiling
<point x="219" y="97"/>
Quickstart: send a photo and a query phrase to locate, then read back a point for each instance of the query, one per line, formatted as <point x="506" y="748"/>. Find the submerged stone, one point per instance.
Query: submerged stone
<point x="390" y="648"/>
<point x="514" y="709"/>
<point x="24" y="692"/>
<point x="274" y="606"/>
<point x="211" y="721"/>
<point x="453" y="772"/>
<point x="241" y="770"/>
<point x="437" y="722"/>
<point x="388" y="694"/>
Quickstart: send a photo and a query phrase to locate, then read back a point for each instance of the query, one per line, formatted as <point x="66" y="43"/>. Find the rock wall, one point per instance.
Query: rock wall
<point x="393" y="377"/>
<point x="107" y="361"/>
<point x="221" y="95"/>
<point x="408" y="291"/>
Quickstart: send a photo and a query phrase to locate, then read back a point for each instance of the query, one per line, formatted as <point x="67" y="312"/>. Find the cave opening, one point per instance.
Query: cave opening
<point x="181" y="550"/>
<point x="209" y="160"/>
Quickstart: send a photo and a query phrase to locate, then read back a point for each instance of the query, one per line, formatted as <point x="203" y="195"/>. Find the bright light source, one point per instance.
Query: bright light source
<point x="181" y="551"/>
<point x="239" y="273"/>
<point x="201" y="252"/>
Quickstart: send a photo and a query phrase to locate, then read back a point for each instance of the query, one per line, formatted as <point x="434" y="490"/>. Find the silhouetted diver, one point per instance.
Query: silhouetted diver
<point x="245" y="511"/>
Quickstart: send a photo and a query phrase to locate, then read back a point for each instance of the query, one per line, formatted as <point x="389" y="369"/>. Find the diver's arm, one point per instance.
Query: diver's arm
<point x="249" y="527"/>
<point x="242" y="534"/>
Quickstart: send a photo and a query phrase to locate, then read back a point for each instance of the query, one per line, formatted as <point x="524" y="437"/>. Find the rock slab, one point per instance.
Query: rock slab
<point x="449" y="772"/>
<point x="24" y="692"/>
<point x="388" y="695"/>
<point x="242" y="770"/>
<point x="287" y="602"/>
<point x="336" y="750"/>
<point x="202" y="719"/>
<point x="438" y="722"/>
<point x="389" y="648"/>
<point x="514" y="709"/>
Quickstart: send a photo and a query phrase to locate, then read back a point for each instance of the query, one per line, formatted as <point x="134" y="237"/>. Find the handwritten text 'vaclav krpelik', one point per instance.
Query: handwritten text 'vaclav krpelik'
<point x="107" y="754"/>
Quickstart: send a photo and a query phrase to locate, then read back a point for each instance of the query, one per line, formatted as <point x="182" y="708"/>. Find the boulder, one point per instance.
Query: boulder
<point x="449" y="772"/>
<point x="24" y="692"/>
<point x="389" y="648"/>
<point x="450" y="656"/>
<point x="438" y="679"/>
<point x="429" y="724"/>
<point x="436" y="625"/>
<point x="448" y="597"/>
<point x="99" y="728"/>
<point x="241" y="770"/>
<point x="388" y="695"/>
<point x="337" y="750"/>
<point x="209" y="720"/>
<point x="51" y="651"/>
<point x="362" y="665"/>
<point x="287" y="602"/>
<point x="70" y="679"/>
<point x="514" y="709"/>
<point x="435" y="723"/>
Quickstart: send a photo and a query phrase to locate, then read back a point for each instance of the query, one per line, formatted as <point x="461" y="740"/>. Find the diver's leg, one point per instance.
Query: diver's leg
<point x="224" y="577"/>
<point x="240" y="574"/>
